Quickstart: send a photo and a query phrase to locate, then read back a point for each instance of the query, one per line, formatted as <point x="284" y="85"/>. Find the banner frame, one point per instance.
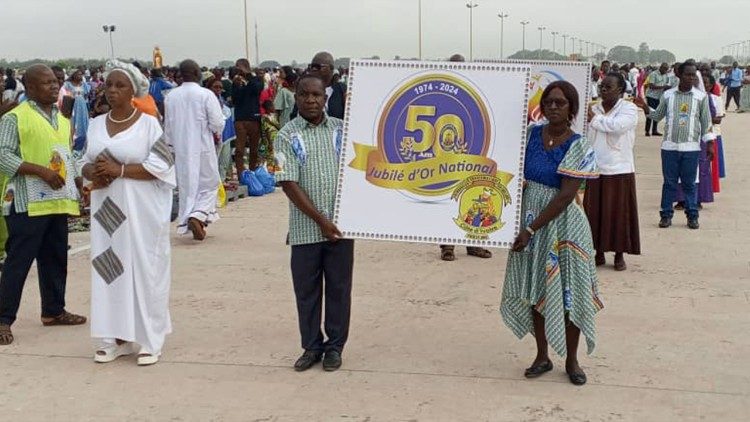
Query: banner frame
<point x="436" y="66"/>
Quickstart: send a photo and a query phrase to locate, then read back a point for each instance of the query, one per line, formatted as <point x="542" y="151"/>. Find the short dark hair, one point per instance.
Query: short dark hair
<point x="291" y="75"/>
<point x="308" y="75"/>
<point x="570" y="93"/>
<point x="620" y="79"/>
<point x="682" y="66"/>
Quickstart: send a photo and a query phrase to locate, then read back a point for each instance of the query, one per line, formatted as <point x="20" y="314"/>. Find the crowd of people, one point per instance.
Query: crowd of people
<point x="108" y="140"/>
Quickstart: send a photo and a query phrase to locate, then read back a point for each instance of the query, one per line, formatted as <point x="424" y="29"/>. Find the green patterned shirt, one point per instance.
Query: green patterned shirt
<point x="656" y="79"/>
<point x="687" y="119"/>
<point x="10" y="156"/>
<point x="312" y="161"/>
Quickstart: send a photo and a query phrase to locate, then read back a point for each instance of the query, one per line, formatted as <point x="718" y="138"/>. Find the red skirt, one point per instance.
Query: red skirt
<point x="612" y="210"/>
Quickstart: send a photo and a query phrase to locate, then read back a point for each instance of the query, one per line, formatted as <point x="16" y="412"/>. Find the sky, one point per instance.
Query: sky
<point x="210" y="31"/>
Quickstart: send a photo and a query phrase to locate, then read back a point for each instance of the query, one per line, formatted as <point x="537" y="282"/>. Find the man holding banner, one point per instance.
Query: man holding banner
<point x="312" y="144"/>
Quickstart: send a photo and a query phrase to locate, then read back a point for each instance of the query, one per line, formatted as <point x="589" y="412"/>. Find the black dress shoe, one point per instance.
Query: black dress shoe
<point x="656" y="134"/>
<point x="332" y="361"/>
<point x="578" y="378"/>
<point x="693" y="224"/>
<point x="538" y="370"/>
<point x="307" y="360"/>
<point x="665" y="222"/>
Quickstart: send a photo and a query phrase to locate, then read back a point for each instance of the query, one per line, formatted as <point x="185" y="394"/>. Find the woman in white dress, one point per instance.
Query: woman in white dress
<point x="132" y="174"/>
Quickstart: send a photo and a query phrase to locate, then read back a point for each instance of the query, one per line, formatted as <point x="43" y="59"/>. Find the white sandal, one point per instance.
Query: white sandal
<point x="145" y="359"/>
<point x="111" y="352"/>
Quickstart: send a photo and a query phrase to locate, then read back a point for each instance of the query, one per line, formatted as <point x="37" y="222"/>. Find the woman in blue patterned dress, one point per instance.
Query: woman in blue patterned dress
<point x="550" y="283"/>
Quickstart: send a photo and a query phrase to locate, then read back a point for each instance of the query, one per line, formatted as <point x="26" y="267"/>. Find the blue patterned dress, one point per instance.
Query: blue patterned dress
<point x="556" y="273"/>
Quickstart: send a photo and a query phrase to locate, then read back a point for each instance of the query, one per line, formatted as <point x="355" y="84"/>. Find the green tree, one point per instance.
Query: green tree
<point x="269" y="64"/>
<point x="644" y="54"/>
<point x="622" y="54"/>
<point x="342" y="62"/>
<point x="726" y="60"/>
<point x="534" y="55"/>
<point x="661" y="56"/>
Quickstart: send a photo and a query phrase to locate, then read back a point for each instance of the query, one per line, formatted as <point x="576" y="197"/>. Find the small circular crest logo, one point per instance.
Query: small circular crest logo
<point x="481" y="200"/>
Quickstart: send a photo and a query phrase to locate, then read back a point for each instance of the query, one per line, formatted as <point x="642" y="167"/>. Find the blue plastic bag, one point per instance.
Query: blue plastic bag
<point x="266" y="179"/>
<point x="254" y="186"/>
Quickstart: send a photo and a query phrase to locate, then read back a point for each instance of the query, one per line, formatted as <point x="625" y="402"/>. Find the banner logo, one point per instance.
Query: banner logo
<point x="433" y="133"/>
<point x="481" y="200"/>
<point x="537" y="84"/>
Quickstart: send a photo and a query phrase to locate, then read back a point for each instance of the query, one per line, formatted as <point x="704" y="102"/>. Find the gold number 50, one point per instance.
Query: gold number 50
<point x="413" y="124"/>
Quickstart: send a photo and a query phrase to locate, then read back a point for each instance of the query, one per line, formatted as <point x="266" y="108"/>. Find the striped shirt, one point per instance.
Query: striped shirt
<point x="656" y="79"/>
<point x="10" y="155"/>
<point x="687" y="119"/>
<point x="312" y="161"/>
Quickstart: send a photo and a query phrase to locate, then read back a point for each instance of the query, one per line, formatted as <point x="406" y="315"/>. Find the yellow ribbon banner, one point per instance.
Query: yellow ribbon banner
<point x="418" y="174"/>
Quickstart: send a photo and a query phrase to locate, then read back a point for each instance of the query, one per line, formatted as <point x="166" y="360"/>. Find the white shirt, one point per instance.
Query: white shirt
<point x="633" y="76"/>
<point x="594" y="90"/>
<point x="329" y="92"/>
<point x="720" y="112"/>
<point x="613" y="137"/>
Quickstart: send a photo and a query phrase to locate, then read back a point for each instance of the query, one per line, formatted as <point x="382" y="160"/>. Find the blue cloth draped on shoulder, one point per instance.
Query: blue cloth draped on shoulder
<point x="80" y="116"/>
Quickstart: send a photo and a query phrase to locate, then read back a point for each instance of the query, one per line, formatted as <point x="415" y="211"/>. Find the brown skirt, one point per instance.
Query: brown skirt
<point x="612" y="209"/>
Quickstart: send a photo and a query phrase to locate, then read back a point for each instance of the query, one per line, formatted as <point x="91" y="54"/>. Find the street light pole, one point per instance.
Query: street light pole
<point x="587" y="48"/>
<point x="554" y="43"/>
<point x="580" y="46"/>
<point x="110" y="29"/>
<point x="565" y="45"/>
<point x="471" y="5"/>
<point x="573" y="46"/>
<point x="523" y="39"/>
<point x="247" y="36"/>
<point x="502" y="17"/>
<point x="257" y="44"/>
<point x="419" y="5"/>
<point x="541" y="38"/>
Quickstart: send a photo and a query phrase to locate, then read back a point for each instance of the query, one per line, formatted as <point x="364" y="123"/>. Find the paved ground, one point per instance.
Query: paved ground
<point x="427" y="341"/>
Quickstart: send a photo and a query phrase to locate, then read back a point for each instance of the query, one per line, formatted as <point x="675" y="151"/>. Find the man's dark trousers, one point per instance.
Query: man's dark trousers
<point x="733" y="94"/>
<point x="311" y="265"/>
<point x="46" y="240"/>
<point x="653" y="103"/>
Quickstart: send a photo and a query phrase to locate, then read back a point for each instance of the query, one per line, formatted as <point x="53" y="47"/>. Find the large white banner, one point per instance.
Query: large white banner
<point x="433" y="152"/>
<point x="545" y="72"/>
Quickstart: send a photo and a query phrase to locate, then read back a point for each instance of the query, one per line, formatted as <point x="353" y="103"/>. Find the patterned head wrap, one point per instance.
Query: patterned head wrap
<point x="139" y="81"/>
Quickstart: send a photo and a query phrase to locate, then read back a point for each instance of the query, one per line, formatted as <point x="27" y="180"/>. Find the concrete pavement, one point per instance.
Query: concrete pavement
<point x="427" y="342"/>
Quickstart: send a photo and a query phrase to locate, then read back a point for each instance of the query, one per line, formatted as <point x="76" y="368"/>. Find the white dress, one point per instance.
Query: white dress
<point x="191" y="118"/>
<point x="130" y="231"/>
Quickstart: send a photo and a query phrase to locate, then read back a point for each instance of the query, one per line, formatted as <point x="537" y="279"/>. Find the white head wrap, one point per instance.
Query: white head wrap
<point x="139" y="81"/>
